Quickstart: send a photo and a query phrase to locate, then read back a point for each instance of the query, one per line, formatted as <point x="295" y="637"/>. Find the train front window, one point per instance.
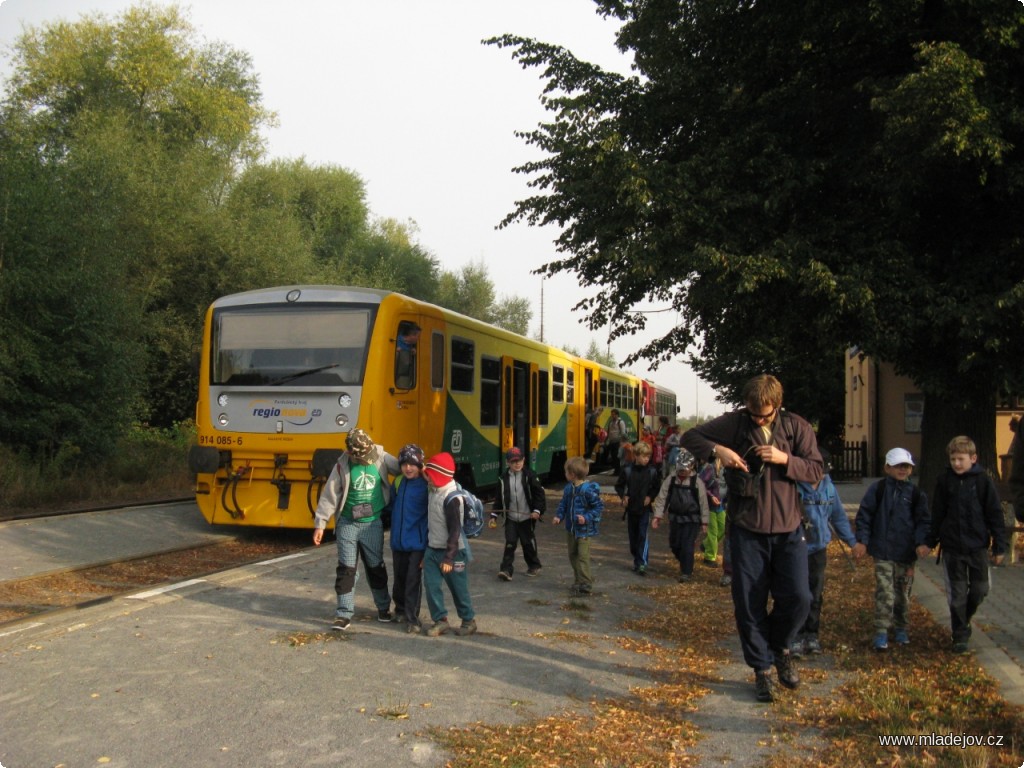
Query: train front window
<point x="303" y="346"/>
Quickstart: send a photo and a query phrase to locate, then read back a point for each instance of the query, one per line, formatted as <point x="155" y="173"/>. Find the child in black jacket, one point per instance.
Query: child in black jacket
<point x="638" y="485"/>
<point x="967" y="518"/>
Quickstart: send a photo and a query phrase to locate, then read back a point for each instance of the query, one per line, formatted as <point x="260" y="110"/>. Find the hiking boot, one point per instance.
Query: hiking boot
<point x="787" y="672"/>
<point x="533" y="571"/>
<point x="959" y="647"/>
<point x="763" y="686"/>
<point x="504" y="575"/>
<point x="384" y="616"/>
<point x="438" y="628"/>
<point x="341" y="624"/>
<point x="881" y="641"/>
<point x="725" y="581"/>
<point x="797" y="649"/>
<point x="811" y="644"/>
<point x="901" y="637"/>
<point x="683" y="578"/>
<point x="468" y="628"/>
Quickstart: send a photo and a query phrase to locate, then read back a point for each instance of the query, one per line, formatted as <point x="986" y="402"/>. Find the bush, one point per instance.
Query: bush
<point x="146" y="463"/>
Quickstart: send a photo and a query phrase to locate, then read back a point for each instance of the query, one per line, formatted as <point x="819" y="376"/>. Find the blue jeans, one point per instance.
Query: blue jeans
<point x="357" y="540"/>
<point x="457" y="581"/>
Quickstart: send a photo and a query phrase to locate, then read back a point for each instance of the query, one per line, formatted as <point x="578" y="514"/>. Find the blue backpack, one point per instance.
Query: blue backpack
<point x="473" y="515"/>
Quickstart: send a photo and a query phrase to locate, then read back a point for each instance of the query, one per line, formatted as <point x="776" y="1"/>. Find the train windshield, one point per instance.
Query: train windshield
<point x="294" y="345"/>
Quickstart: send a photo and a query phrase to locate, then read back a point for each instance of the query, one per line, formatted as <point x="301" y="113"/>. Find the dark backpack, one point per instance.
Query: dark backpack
<point x="690" y="511"/>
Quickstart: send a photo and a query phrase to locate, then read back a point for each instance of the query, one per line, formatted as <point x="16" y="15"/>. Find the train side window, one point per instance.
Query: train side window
<point x="570" y="386"/>
<point x="462" y="365"/>
<point x="545" y="397"/>
<point x="406" y="341"/>
<point x="558" y="384"/>
<point x="490" y="391"/>
<point x="437" y="361"/>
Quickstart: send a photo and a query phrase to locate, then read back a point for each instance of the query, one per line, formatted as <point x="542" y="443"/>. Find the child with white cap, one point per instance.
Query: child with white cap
<point x="892" y="526"/>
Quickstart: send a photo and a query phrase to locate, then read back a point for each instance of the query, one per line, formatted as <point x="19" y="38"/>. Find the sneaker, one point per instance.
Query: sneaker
<point x="504" y="575"/>
<point x="959" y="647"/>
<point x="438" y="628"/>
<point x="881" y="641"/>
<point x="787" y="672"/>
<point x="413" y="629"/>
<point x="901" y="637"/>
<point x="798" y="648"/>
<point x="384" y="615"/>
<point x="533" y="571"/>
<point x="641" y="570"/>
<point x="340" y="624"/>
<point x="811" y="644"/>
<point x="468" y="628"/>
<point x="710" y="563"/>
<point x="683" y="578"/>
<point x="725" y="581"/>
<point x="763" y="686"/>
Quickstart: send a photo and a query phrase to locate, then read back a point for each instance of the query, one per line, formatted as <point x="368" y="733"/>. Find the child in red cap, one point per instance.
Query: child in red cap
<point x="446" y="558"/>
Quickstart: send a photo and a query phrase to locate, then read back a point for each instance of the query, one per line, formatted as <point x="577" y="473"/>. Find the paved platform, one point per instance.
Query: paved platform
<point x="228" y="670"/>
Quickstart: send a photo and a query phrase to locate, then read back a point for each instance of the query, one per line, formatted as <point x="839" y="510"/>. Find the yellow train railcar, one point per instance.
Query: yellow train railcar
<point x="286" y="372"/>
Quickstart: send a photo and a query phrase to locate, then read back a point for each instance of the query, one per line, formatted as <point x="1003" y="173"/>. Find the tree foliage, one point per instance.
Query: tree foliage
<point x="794" y="179"/>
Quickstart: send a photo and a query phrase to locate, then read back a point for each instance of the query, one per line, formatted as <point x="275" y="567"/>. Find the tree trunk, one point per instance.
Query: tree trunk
<point x="944" y="419"/>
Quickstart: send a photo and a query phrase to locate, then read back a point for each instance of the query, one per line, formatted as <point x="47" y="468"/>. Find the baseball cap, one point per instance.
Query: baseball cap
<point x="513" y="454"/>
<point x="898" y="456"/>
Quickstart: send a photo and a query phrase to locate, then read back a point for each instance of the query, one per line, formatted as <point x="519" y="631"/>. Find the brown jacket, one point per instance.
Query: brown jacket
<point x="776" y="506"/>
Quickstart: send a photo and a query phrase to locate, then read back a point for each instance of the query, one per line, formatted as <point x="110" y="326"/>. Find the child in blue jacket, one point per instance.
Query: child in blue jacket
<point x="409" y="535"/>
<point x="581" y="508"/>
<point x="823" y="513"/>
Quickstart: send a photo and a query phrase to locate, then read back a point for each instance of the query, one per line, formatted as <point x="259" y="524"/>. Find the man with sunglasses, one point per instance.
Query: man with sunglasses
<point x="765" y="452"/>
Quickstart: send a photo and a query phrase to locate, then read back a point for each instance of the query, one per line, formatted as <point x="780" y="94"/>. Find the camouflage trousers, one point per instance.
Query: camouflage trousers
<point x="892" y="594"/>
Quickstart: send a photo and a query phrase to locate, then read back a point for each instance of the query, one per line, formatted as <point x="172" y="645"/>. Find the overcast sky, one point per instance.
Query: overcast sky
<point x="402" y="93"/>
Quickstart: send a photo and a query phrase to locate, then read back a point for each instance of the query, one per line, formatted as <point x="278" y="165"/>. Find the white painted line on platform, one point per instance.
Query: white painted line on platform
<point x="162" y="590"/>
<point x="282" y="559"/>
<point x="16" y="630"/>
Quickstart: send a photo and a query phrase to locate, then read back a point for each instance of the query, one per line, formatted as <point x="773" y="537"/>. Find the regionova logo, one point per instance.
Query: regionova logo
<point x="295" y="412"/>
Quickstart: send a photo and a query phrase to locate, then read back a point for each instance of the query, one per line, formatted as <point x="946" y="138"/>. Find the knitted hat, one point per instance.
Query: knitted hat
<point x="440" y="469"/>
<point x="411" y="454"/>
<point x="360" y="446"/>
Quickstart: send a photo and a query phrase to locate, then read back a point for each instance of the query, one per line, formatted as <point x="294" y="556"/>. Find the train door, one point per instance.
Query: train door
<point x="515" y="405"/>
<point x="408" y="371"/>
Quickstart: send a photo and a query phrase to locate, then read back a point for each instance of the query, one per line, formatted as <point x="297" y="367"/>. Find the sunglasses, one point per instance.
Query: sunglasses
<point x="762" y="418"/>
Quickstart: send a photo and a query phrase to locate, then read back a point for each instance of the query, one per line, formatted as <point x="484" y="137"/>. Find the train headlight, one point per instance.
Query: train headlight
<point x="341" y="419"/>
<point x="223" y="419"/>
<point x="222" y="399"/>
<point x="345" y="400"/>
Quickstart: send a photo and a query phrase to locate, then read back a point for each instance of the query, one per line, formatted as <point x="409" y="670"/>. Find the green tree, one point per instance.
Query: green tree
<point x="512" y="313"/>
<point x="794" y="179"/>
<point x="118" y="141"/>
